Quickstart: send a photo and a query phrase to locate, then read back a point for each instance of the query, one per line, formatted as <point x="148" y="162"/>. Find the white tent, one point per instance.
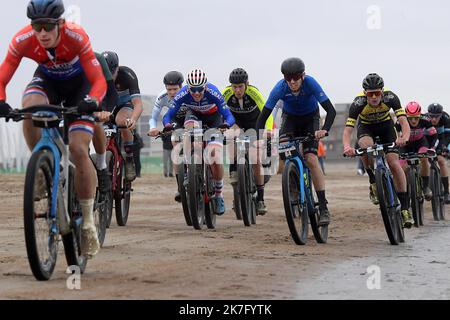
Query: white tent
<point x="14" y="153"/>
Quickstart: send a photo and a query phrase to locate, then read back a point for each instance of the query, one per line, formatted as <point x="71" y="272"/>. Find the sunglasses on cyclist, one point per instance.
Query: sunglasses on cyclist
<point x="197" y="89"/>
<point x="377" y="93"/>
<point x="292" y="77"/>
<point x="435" y="115"/>
<point x="48" y="27"/>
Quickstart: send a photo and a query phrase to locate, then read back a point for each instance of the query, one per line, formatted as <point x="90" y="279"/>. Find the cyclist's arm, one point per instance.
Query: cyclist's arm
<point x="355" y="110"/>
<point x="132" y="83"/>
<point x="8" y="68"/>
<point x="395" y="105"/>
<point x="93" y="71"/>
<point x="257" y="96"/>
<point x="112" y="97"/>
<point x="223" y="108"/>
<point x="157" y="108"/>
<point x="324" y="101"/>
<point x="173" y="109"/>
<point x="263" y="116"/>
<point x="331" y="114"/>
<point x="275" y="95"/>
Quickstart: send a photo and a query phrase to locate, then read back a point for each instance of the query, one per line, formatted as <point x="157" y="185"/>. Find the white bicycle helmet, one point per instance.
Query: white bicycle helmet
<point x="197" y="78"/>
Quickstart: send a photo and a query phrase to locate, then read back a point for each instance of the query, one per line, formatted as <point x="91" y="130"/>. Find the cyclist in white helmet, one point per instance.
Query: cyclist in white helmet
<point x="205" y="105"/>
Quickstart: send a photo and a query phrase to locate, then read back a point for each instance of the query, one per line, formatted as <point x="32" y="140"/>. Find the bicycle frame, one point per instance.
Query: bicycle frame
<point x="52" y="140"/>
<point x="377" y="153"/>
<point x="300" y="164"/>
<point x="111" y="132"/>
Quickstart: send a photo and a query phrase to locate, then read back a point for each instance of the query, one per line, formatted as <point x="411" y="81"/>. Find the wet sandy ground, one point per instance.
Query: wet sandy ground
<point x="158" y="257"/>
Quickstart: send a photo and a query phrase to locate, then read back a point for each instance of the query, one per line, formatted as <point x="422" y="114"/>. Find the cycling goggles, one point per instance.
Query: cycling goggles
<point x="376" y="93"/>
<point x="48" y="27"/>
<point x="197" y="89"/>
<point x="294" y="77"/>
<point x="435" y="115"/>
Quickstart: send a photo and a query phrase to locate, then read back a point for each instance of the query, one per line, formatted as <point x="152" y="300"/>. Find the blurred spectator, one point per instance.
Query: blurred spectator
<point x="138" y="145"/>
<point x="322" y="154"/>
<point x="167" y="159"/>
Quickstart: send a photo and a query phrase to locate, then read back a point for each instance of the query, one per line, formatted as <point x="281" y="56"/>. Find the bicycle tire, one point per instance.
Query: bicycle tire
<point x="72" y="240"/>
<point x="40" y="161"/>
<point x="195" y="195"/>
<point x="421" y="198"/>
<point x="435" y="201"/>
<point x="100" y="210"/>
<point x="293" y="209"/>
<point x="320" y="232"/>
<point x="244" y="193"/>
<point x="413" y="195"/>
<point x="441" y="200"/>
<point x="210" y="216"/>
<point x="237" y="202"/>
<point x="123" y="199"/>
<point x="110" y="160"/>
<point x="389" y="219"/>
<point x="182" y="191"/>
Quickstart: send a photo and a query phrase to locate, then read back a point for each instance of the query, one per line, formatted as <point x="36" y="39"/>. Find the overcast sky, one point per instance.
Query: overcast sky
<point x="406" y="42"/>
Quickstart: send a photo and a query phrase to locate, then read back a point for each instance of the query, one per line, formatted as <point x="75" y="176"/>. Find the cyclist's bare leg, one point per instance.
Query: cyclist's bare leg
<point x="85" y="177"/>
<point x="443" y="166"/>
<point x="85" y="184"/>
<point x="366" y="142"/>
<point x="31" y="133"/>
<point x="397" y="172"/>
<point x="99" y="142"/>
<point x="312" y="161"/>
<point x="121" y="118"/>
<point x="424" y="167"/>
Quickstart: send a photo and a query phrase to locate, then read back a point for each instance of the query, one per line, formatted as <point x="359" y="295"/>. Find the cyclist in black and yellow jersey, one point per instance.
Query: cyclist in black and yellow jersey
<point x="246" y="102"/>
<point x="372" y="108"/>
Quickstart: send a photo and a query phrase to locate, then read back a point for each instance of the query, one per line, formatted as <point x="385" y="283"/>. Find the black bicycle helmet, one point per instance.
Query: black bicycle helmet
<point x="293" y="66"/>
<point x="238" y="76"/>
<point x="373" y="82"/>
<point x="112" y="59"/>
<point x="45" y="9"/>
<point x="174" y="78"/>
<point x="435" y="108"/>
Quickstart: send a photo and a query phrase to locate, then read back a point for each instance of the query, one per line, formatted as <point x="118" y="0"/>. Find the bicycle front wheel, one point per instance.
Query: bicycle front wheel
<point x="182" y="191"/>
<point x="72" y="240"/>
<point x="296" y="212"/>
<point x="414" y="196"/>
<point x="122" y="198"/>
<point x="248" y="207"/>
<point x="195" y="194"/>
<point x="388" y="212"/>
<point x="40" y="228"/>
<point x="210" y="216"/>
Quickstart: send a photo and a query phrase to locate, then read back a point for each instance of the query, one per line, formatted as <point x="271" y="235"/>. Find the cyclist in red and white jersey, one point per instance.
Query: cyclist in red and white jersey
<point x="68" y="72"/>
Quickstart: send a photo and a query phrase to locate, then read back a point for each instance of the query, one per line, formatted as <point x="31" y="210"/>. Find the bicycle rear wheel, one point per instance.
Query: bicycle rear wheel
<point x="41" y="230"/>
<point x="389" y="214"/>
<point x="320" y="232"/>
<point x="296" y="212"/>
<point x="435" y="188"/>
<point x="195" y="195"/>
<point x="72" y="240"/>
<point x="441" y="200"/>
<point x="210" y="216"/>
